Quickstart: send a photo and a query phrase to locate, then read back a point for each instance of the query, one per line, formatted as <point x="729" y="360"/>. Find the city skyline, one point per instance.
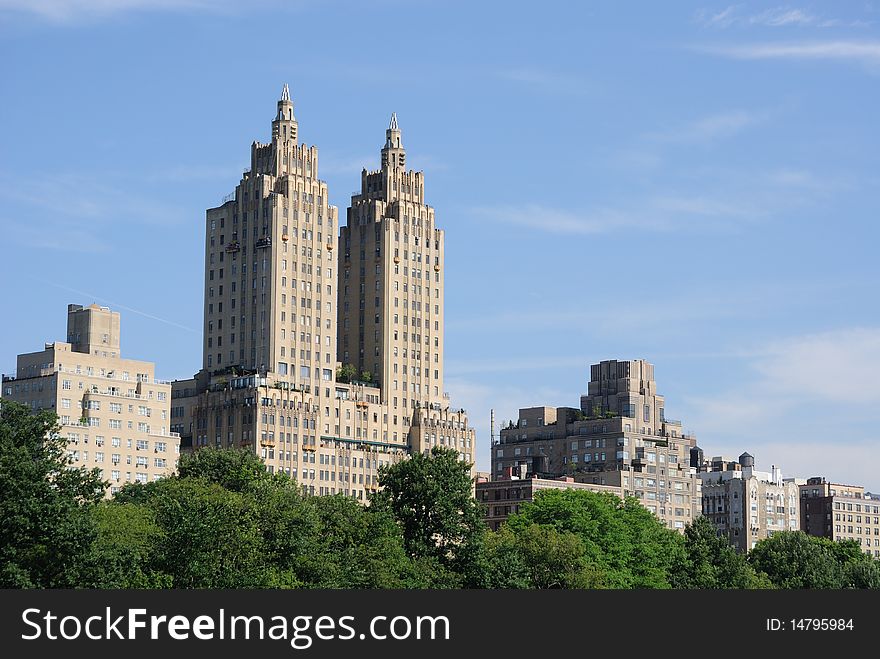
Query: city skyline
<point x="597" y="206"/>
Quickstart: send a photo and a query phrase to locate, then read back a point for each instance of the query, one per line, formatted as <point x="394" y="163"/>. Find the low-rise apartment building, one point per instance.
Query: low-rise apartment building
<point x="841" y="512"/>
<point x="114" y="413"/>
<point x="502" y="498"/>
<point x="747" y="505"/>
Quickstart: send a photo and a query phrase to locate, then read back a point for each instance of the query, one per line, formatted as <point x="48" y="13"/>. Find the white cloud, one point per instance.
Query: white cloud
<point x="734" y="15"/>
<point x="332" y="164"/>
<point x="551" y="81"/>
<point x="67" y="10"/>
<point x="510" y="364"/>
<point x="866" y="52"/>
<point x="78" y="197"/>
<point x="72" y="11"/>
<point x="852" y="462"/>
<point x="479" y="398"/>
<point x="660" y="214"/>
<point x="707" y="207"/>
<point x="782" y="16"/>
<point x="555" y="220"/>
<point x="793" y="177"/>
<point x="52" y="237"/>
<point x="807" y="404"/>
<point x="709" y="129"/>
<point x="722" y="19"/>
<point x="117" y="306"/>
<point x="198" y="173"/>
<point x="834" y="367"/>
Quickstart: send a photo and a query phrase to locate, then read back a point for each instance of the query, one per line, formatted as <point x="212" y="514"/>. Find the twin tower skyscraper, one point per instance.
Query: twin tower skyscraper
<point x="292" y="299"/>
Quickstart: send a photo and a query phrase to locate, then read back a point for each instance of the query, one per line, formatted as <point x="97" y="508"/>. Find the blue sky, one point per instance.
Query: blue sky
<point x="690" y="183"/>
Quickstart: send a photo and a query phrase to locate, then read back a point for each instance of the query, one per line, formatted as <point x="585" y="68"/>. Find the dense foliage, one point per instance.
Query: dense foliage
<point x="47" y="527"/>
<point x="223" y="521"/>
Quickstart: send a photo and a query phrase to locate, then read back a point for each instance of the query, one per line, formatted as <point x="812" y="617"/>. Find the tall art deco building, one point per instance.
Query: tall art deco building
<point x="288" y="301"/>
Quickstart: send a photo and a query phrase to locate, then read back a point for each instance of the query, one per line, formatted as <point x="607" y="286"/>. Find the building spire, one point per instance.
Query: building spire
<point x="284" y="126"/>
<point x="393" y="154"/>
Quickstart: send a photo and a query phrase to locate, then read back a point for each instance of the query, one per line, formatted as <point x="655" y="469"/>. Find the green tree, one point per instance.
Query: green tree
<point x="623" y="541"/>
<point x="862" y="574"/>
<point x="233" y="469"/>
<point x="858" y="569"/>
<point x="844" y="551"/>
<point x="210" y="535"/>
<point x="346" y="373"/>
<point x="361" y="547"/>
<point x="711" y="562"/>
<point x="431" y="497"/>
<point x="291" y="531"/>
<point x="45" y="503"/>
<point x="538" y="556"/>
<point x="793" y="559"/>
<point x="126" y="549"/>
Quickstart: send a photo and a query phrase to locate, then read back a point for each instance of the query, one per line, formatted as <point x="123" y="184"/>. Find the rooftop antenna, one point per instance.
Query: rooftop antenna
<point x="492" y="427"/>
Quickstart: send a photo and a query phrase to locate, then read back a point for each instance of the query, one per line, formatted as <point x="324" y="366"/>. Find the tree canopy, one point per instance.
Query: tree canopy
<point x="224" y="521"/>
<point x="431" y="498"/>
<point x="45" y="502"/>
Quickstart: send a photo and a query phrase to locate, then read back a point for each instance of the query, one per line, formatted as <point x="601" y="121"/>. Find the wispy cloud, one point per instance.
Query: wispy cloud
<point x="695" y="309"/>
<point x="70" y="198"/>
<point x="806" y="366"/>
<point x="735" y="15"/>
<point x="782" y="16"/>
<point x="52" y="237"/>
<point x="509" y="364"/>
<point x="707" y="130"/>
<point x="77" y="212"/>
<point x="799" y="394"/>
<point x="116" y="306"/>
<point x="546" y="81"/>
<point x="661" y="214"/>
<point x="70" y="11"/>
<point x="478" y="398"/>
<point x="865" y="52"/>
<point x="332" y="164"/>
<point x="181" y="173"/>
<point x="555" y="220"/>
<point x="724" y="18"/>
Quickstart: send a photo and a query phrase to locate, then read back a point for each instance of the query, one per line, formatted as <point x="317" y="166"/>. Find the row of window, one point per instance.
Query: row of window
<point x="116" y="458"/>
<point x="116" y="442"/>
<point x="858" y="530"/>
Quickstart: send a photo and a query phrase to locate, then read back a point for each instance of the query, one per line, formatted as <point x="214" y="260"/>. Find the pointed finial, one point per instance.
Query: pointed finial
<point x="285" y="93"/>
<point x="393" y="125"/>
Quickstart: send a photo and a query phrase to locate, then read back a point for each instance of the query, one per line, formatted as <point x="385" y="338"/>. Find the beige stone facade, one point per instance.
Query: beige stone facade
<point x="841" y="512"/>
<point x="619" y="437"/>
<point x="114" y="413"/>
<point x="502" y="498"/>
<point x="747" y="505"/>
<point x="391" y="260"/>
<point x="268" y="380"/>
